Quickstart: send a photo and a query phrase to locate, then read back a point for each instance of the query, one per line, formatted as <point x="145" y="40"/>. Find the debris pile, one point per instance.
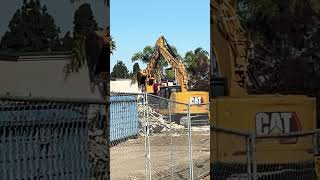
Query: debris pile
<point x="157" y="124"/>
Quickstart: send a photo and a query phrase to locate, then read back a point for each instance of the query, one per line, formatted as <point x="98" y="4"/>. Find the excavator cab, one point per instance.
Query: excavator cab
<point x="166" y="91"/>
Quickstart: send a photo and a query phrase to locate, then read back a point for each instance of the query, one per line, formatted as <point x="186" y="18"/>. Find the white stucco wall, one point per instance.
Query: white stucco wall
<point x="43" y="78"/>
<point x="124" y="86"/>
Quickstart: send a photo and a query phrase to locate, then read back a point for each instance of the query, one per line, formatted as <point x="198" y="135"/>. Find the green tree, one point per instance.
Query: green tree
<point x="135" y="68"/>
<point x="112" y="42"/>
<point x="84" y="22"/>
<point x="31" y="28"/>
<point x="282" y="36"/>
<point x="198" y="66"/>
<point x="120" y="70"/>
<point x="67" y="41"/>
<point x="133" y="74"/>
<point x="84" y="28"/>
<point x="170" y="74"/>
<point x="113" y="46"/>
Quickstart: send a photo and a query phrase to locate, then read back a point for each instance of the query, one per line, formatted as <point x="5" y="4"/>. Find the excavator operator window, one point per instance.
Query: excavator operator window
<point x="218" y="86"/>
<point x="165" y="92"/>
<point x="175" y="89"/>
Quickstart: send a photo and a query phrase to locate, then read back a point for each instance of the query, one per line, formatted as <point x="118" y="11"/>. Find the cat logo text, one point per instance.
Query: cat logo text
<point x="276" y="123"/>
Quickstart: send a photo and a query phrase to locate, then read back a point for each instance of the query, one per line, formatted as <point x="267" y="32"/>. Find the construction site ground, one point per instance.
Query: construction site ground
<point x="169" y="151"/>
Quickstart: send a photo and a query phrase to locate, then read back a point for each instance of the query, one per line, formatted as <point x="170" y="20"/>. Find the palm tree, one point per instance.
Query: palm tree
<point x="144" y="57"/>
<point x="113" y="46"/>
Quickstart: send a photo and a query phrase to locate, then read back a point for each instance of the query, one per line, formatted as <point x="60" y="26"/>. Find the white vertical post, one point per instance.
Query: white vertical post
<point x="190" y="144"/>
<point x="172" y="170"/>
<point x="145" y="135"/>
<point x="148" y="140"/>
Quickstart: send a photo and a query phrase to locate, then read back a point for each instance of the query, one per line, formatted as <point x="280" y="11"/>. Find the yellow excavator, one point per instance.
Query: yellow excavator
<point x="179" y="92"/>
<point x="233" y="108"/>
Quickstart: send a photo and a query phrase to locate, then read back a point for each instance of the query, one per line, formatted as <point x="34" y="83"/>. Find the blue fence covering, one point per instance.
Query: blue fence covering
<point x="49" y="140"/>
<point x="123" y="118"/>
<point x="39" y="142"/>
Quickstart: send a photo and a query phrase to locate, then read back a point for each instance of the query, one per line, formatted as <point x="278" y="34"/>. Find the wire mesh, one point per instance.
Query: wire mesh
<point x="49" y="139"/>
<point x="230" y="155"/>
<point x="289" y="157"/>
<point x="200" y="133"/>
<point x="239" y="155"/>
<point x="163" y="147"/>
<point x="169" y="143"/>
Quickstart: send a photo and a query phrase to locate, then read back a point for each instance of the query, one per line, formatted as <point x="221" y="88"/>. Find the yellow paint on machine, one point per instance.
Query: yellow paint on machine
<point x="241" y="114"/>
<point x="184" y="97"/>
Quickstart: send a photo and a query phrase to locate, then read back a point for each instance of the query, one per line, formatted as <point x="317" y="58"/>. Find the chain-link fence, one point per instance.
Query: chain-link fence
<point x="240" y="155"/>
<point x="163" y="148"/>
<point x="200" y="137"/>
<point x="177" y="152"/>
<point x="47" y="138"/>
<point x="169" y="145"/>
<point x="127" y="136"/>
<point x="230" y="154"/>
<point x="292" y="156"/>
<point x="42" y="138"/>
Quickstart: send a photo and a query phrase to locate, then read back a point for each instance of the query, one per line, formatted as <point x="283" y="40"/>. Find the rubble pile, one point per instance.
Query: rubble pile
<point x="157" y="124"/>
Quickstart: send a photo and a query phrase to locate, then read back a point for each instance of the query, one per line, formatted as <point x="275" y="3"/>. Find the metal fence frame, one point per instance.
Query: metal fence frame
<point x="106" y="126"/>
<point x="148" y="160"/>
<point x="252" y="173"/>
<point x="191" y="177"/>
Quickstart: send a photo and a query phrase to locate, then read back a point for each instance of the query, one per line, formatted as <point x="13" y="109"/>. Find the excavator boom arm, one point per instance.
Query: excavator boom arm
<point x="162" y="48"/>
<point x="229" y="47"/>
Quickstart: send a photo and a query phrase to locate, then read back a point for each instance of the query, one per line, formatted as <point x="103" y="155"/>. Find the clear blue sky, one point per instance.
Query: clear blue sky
<point x="137" y="23"/>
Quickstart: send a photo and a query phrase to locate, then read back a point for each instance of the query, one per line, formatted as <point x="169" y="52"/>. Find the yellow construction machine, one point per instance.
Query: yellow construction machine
<point x="233" y="108"/>
<point x="177" y="93"/>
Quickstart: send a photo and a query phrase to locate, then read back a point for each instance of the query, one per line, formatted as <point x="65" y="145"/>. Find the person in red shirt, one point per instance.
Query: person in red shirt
<point x="155" y="87"/>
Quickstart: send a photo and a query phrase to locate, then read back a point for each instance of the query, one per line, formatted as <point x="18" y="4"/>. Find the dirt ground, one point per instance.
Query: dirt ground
<point x="169" y="156"/>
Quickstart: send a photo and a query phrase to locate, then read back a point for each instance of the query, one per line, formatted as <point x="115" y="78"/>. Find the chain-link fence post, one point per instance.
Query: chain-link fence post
<point x="253" y="156"/>
<point x="145" y="134"/>
<point x="171" y="140"/>
<point x="248" y="142"/>
<point x="107" y="121"/>
<point x="316" y="142"/>
<point x="147" y="140"/>
<point x="190" y="142"/>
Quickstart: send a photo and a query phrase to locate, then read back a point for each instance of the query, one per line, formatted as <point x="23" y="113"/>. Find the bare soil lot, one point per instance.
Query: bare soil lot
<point x="169" y="156"/>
